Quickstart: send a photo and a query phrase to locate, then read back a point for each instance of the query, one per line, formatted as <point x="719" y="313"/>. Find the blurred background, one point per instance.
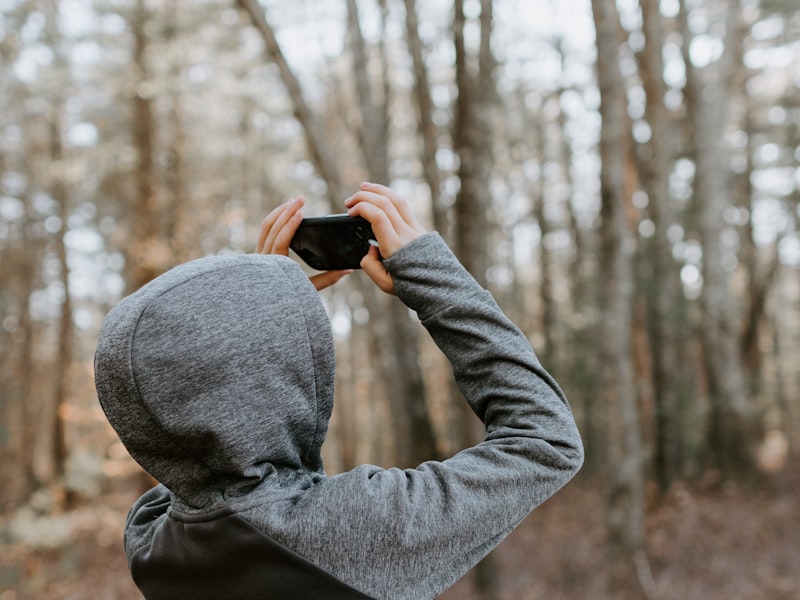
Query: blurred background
<point x="624" y="176"/>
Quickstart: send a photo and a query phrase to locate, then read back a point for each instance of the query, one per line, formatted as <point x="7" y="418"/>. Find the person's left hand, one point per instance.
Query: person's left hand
<point x="277" y="231"/>
<point x="393" y="224"/>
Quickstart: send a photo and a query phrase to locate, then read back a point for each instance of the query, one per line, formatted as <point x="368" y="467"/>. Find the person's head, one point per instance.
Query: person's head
<point x="219" y="373"/>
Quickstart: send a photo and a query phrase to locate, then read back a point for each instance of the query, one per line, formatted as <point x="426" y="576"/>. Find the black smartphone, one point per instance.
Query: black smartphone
<point x="333" y="242"/>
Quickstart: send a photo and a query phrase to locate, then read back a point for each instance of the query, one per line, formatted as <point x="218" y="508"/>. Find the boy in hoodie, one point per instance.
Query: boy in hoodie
<point x="218" y="377"/>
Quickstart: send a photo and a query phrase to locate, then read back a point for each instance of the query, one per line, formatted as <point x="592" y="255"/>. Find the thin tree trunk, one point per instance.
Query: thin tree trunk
<point x="373" y="129"/>
<point x="667" y="321"/>
<point x="146" y="258"/>
<point x="321" y="154"/>
<point x="415" y="437"/>
<point x="549" y="316"/>
<point x="21" y="257"/>
<point x="732" y="430"/>
<point x="65" y="326"/>
<point x="427" y="127"/>
<point x="582" y="366"/>
<point x="398" y="360"/>
<point x="178" y="228"/>
<point x="625" y="516"/>
<point x="20" y="406"/>
<point x="472" y="137"/>
<point x="58" y="190"/>
<point x="473" y="141"/>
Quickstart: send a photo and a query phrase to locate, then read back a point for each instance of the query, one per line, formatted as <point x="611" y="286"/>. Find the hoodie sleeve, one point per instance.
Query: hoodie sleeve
<point x="493" y="363"/>
<point x="412" y="533"/>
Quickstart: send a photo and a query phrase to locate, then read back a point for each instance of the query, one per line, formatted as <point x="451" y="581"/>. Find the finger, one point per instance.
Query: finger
<point x="281" y="227"/>
<point x="266" y="225"/>
<point x="371" y="265"/>
<point x="328" y="278"/>
<point x="401" y="205"/>
<point x="280" y="237"/>
<point x="384" y="203"/>
<point x="382" y="226"/>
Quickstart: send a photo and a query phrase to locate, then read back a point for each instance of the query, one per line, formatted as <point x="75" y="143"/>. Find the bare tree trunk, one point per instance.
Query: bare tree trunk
<point x="760" y="274"/>
<point x="665" y="298"/>
<point x="546" y="285"/>
<point x="20" y="406"/>
<point x="373" y="130"/>
<point x="582" y="366"/>
<point x="732" y="429"/>
<point x="65" y="327"/>
<point x="21" y="251"/>
<point x="146" y="256"/>
<point x="58" y="189"/>
<point x="473" y="143"/>
<point x="415" y="438"/>
<point x="398" y="360"/>
<point x="427" y="127"/>
<point x="29" y="404"/>
<point x="625" y="516"/>
<point x="321" y="155"/>
<point x="178" y="227"/>
<point x="472" y="140"/>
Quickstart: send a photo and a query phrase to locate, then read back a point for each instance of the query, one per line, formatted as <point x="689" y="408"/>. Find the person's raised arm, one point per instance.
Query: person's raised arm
<point x="428" y="526"/>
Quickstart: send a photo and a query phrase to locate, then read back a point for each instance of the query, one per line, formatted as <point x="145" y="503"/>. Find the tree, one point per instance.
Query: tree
<point x="625" y="511"/>
<point x="665" y="298"/>
<point x="731" y="435"/>
<point x="148" y="256"/>
<point x="472" y="143"/>
<point x="426" y="126"/>
<point x="398" y="361"/>
<point x="60" y="193"/>
<point x="414" y="437"/>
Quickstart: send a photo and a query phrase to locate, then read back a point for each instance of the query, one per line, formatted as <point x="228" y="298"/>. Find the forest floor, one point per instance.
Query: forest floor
<point x="732" y="542"/>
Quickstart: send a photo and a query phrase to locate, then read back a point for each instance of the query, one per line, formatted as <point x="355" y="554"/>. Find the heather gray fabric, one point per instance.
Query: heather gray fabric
<point x="218" y="377"/>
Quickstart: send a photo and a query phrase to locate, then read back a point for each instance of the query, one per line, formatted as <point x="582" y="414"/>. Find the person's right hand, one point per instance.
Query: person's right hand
<point x="278" y="229"/>
<point x="393" y="224"/>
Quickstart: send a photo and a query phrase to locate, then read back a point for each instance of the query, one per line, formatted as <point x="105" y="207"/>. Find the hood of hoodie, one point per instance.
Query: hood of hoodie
<point x="219" y="373"/>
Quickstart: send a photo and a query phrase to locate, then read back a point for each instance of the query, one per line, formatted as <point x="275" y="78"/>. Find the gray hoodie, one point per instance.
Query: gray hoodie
<point x="218" y="378"/>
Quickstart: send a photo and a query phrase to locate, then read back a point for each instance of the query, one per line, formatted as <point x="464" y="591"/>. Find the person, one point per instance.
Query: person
<point x="218" y="378"/>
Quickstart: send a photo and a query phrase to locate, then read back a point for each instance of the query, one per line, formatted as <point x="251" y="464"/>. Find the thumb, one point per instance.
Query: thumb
<point x="373" y="267"/>
<point x="328" y="278"/>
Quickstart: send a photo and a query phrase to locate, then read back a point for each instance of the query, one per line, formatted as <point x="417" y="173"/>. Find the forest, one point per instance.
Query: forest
<point x="622" y="175"/>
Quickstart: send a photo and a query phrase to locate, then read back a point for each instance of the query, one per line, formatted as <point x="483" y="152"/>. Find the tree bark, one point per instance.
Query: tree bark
<point x="472" y="140"/>
<point x="389" y="321"/>
<point x="321" y="154"/>
<point x="473" y="144"/>
<point x="732" y="428"/>
<point x="147" y="258"/>
<point x="426" y="125"/>
<point x="58" y="190"/>
<point x="60" y="450"/>
<point x="625" y="516"/>
<point x="546" y="285"/>
<point x="667" y="320"/>
<point x="415" y="437"/>
<point x="177" y="221"/>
